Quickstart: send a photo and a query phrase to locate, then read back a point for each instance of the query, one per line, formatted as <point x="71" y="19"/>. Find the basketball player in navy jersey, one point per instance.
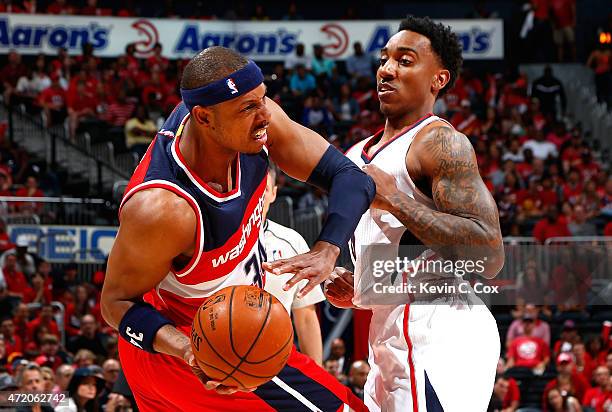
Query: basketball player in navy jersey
<point x="436" y="352"/>
<point x="190" y="225"/>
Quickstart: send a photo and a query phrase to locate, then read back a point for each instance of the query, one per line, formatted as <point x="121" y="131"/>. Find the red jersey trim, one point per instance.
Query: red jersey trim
<point x="163" y="184"/>
<point x="195" y="179"/>
<point x="413" y="389"/>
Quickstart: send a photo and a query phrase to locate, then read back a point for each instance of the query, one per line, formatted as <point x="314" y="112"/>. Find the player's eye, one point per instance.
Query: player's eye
<point x="405" y="62"/>
<point x="382" y="61"/>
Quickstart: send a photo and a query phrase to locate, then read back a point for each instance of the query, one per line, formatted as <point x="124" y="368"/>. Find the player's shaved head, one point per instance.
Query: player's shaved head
<point x="211" y="64"/>
<point x="444" y="43"/>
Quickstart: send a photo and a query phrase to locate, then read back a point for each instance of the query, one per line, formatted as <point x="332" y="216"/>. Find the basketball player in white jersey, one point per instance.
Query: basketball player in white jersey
<point x="283" y="242"/>
<point x="439" y="355"/>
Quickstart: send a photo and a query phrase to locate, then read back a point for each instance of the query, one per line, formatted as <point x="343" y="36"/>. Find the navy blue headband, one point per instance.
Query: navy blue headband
<point x="236" y="84"/>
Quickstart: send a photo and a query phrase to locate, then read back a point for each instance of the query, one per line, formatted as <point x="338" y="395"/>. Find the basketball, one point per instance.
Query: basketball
<point x="242" y="336"/>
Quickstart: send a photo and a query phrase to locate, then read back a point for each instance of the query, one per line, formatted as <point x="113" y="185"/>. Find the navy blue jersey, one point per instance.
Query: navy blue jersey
<point x="228" y="247"/>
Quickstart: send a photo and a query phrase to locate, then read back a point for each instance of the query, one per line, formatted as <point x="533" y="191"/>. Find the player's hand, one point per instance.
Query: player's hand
<point x="339" y="288"/>
<point x="217" y="386"/>
<point x="386" y="186"/>
<point x="316" y="266"/>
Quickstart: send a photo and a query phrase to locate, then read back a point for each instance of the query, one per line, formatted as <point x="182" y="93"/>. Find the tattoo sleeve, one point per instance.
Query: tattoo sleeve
<point x="466" y="222"/>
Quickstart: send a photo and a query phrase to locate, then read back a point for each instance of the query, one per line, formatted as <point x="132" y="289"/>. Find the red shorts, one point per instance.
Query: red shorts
<point x="165" y="383"/>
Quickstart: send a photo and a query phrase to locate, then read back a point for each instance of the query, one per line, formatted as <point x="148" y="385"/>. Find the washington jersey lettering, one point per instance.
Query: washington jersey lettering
<point x="229" y="243"/>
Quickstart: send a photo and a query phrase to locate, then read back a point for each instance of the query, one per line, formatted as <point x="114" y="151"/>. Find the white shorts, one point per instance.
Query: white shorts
<point x="443" y="358"/>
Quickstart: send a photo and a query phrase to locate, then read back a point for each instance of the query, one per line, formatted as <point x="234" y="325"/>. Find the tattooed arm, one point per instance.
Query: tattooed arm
<point x="466" y="224"/>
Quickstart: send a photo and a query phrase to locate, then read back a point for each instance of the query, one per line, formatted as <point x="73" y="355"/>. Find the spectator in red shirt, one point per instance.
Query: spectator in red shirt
<point x="81" y="105"/>
<point x="38" y="293"/>
<point x="551" y="226"/>
<point x="567" y="380"/>
<point x="5" y="241"/>
<point x="11" y="73"/>
<point x="571" y="155"/>
<point x="561" y="401"/>
<point x="30" y="189"/>
<point x="50" y="352"/>
<point x="584" y="362"/>
<point x="20" y="320"/>
<point x="157" y="60"/>
<point x="12" y="342"/>
<point x="16" y="283"/>
<point x="465" y="120"/>
<point x="608" y="229"/>
<point x="60" y="7"/>
<point x="528" y="351"/>
<point x="92" y="9"/>
<point x="120" y="110"/>
<point x="593" y="396"/>
<point x="564" y="24"/>
<point x="44" y="319"/>
<point x="513" y="396"/>
<point x="540" y="328"/>
<point x="53" y="101"/>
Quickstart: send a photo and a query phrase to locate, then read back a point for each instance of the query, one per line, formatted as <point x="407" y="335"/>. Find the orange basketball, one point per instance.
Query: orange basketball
<point x="242" y="336"/>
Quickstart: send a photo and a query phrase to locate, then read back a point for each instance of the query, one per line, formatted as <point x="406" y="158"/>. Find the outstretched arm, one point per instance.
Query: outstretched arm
<point x="306" y="156"/>
<point x="466" y="223"/>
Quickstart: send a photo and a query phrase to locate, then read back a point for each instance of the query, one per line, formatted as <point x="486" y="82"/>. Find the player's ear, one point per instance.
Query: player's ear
<point x="273" y="194"/>
<point x="202" y="115"/>
<point x="441" y="79"/>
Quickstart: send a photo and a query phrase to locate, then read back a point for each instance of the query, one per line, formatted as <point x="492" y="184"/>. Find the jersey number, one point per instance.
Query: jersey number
<point x="253" y="266"/>
<point x="134" y="337"/>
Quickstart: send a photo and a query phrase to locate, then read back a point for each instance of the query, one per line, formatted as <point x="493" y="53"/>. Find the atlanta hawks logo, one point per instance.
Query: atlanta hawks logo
<point x="232" y="86"/>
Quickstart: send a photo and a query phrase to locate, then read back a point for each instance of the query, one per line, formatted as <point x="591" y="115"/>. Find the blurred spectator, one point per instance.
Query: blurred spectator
<point x="600" y="60"/>
<point x="360" y="63"/>
<point x="30" y="379"/>
<point x="465" y="120"/>
<point x="331" y="367"/>
<point x="11" y="73"/>
<point x="500" y="391"/>
<point x="260" y="13"/>
<point x="527" y="351"/>
<point x="569" y="336"/>
<point x="572" y="188"/>
<point x="561" y="401"/>
<point x="60" y="7"/>
<point x="66" y="281"/>
<point x="320" y="64"/>
<point x="312" y="200"/>
<point x="48" y="379"/>
<point x="83" y="391"/>
<point x="299" y="58"/>
<point x="540" y="328"/>
<point x="12" y="342"/>
<point x="345" y="108"/>
<point x="292" y="13"/>
<point x="16" y="283"/>
<point x="564" y="25"/>
<point x="111" y="369"/>
<point x="32" y="84"/>
<point x="338" y="353"/>
<point x="84" y="358"/>
<point x="546" y="89"/>
<point x="63" y="375"/>
<point x="316" y="116"/>
<point x="50" y="352"/>
<point x="53" y="102"/>
<point x="584" y="363"/>
<point x="139" y="131"/>
<point x="21" y="318"/>
<point x="513" y="396"/>
<point x="30" y="189"/>
<point x="39" y="292"/>
<point x="579" y="226"/>
<point x="301" y="82"/>
<point x="540" y="147"/>
<point x="82" y="105"/>
<point x="514" y="152"/>
<point x="550" y="226"/>
<point x="45" y="318"/>
<point x="596" y="395"/>
<point x="357" y="377"/>
<point x="89" y="337"/>
<point x="92" y="9"/>
<point x="24" y="261"/>
<point x="567" y="381"/>
<point x="157" y="60"/>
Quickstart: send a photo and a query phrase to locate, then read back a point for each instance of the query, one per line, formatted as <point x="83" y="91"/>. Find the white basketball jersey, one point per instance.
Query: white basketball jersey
<point x="379" y="227"/>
